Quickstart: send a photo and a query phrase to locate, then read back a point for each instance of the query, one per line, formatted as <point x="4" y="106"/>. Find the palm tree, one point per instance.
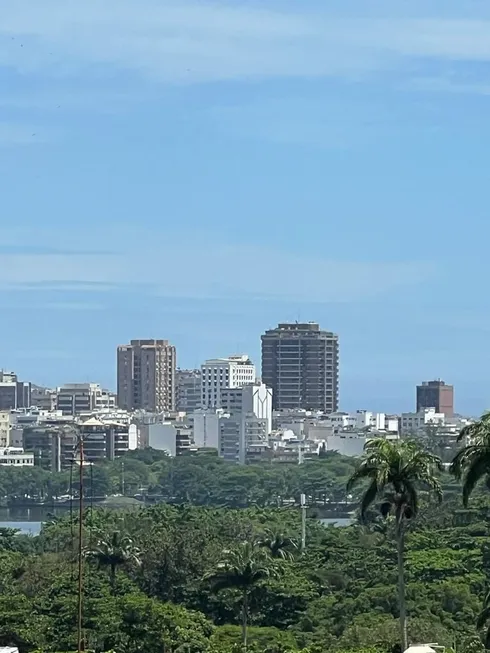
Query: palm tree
<point x="396" y="471"/>
<point x="472" y="462"/>
<point x="483" y="619"/>
<point x="277" y="545"/>
<point x="242" y="568"/>
<point x="117" y="551"/>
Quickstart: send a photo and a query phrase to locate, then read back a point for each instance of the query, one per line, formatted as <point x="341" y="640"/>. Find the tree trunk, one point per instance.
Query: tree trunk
<point x="244" y="618"/>
<point x="113" y="579"/>
<point x="400" y="546"/>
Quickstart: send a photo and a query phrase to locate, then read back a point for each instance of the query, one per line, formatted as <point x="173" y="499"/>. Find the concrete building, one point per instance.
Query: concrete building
<point x="174" y="438"/>
<point x="146" y="376"/>
<point x="5" y="427"/>
<point x="76" y="398"/>
<point x="188" y="390"/>
<point x="347" y="444"/>
<point x="206" y="427"/>
<point x="253" y="399"/>
<point x="361" y="419"/>
<point x="247" y="421"/>
<point x="43" y="398"/>
<point x="300" y="363"/>
<point x="16" y="457"/>
<point x="13" y="393"/>
<point x="219" y="373"/>
<point x="415" y="423"/>
<point x="53" y="443"/>
<point x="437" y="395"/>
<point x="239" y="432"/>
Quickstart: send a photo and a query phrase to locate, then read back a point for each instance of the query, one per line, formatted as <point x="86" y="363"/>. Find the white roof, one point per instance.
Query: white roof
<point x="9" y="649"/>
<point x="420" y="648"/>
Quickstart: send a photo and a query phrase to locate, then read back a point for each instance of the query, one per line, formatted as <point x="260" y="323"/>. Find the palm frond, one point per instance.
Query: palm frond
<point x="483" y="617"/>
<point x="476" y="469"/>
<point x="368" y="498"/>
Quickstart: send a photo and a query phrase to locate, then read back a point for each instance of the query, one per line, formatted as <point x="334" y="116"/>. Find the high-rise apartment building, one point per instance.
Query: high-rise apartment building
<point x="436" y="394"/>
<point x="146" y="376"/>
<point x="300" y="362"/>
<point x="219" y="373"/>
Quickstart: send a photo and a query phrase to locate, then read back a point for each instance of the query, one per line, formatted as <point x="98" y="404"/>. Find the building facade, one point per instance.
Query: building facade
<point x="220" y="373"/>
<point x="188" y="390"/>
<point x="13" y="393"/>
<point x="300" y="362"/>
<point x="174" y="438"/>
<point x="5" y="426"/>
<point x="436" y="394"/>
<point x="16" y="457"/>
<point x="417" y="423"/>
<point x="252" y="399"/>
<point x="146" y="373"/>
<point x="76" y="398"/>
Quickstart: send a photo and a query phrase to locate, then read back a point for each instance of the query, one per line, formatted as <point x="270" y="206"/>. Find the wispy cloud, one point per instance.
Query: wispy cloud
<point x="190" y="41"/>
<point x="449" y="84"/>
<point x="276" y="275"/>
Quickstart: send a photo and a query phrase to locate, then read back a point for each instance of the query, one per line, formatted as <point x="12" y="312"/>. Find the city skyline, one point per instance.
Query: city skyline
<point x="221" y="371"/>
<point x="201" y="171"/>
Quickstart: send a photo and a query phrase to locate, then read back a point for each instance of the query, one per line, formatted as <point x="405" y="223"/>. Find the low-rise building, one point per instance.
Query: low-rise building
<point x="415" y="423"/>
<point x="188" y="390"/>
<point x="77" y="398"/>
<point x="5" y="427"/>
<point x="175" y="438"/>
<point x="54" y="442"/>
<point x="206" y="427"/>
<point x="16" y="457"/>
<point x="13" y="393"/>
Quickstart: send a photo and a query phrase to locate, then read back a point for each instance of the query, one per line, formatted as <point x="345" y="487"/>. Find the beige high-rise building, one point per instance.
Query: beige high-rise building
<point x="146" y="376"/>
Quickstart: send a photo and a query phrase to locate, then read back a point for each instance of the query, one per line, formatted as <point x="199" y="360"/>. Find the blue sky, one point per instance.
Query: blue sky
<point x="200" y="171"/>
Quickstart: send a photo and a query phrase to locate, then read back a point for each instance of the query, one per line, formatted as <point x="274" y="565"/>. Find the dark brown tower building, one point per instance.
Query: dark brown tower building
<point x="301" y="365"/>
<point x="436" y="394"/>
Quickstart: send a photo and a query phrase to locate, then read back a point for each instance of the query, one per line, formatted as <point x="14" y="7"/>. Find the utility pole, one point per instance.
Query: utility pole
<point x="122" y="478"/>
<point x="303" y="523"/>
<point x="80" y="549"/>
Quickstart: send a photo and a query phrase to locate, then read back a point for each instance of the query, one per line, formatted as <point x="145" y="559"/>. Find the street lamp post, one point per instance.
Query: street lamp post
<point x="303" y="522"/>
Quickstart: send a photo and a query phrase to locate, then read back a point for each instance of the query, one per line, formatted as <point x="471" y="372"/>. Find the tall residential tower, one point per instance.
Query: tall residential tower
<point x="146" y="376"/>
<point x="301" y="365"/>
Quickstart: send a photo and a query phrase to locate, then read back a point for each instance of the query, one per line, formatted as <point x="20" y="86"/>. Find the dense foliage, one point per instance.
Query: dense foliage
<point x="202" y="479"/>
<point x="153" y="584"/>
<point x="216" y="568"/>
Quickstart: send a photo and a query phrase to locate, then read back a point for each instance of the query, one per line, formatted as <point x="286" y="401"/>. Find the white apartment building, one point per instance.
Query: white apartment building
<point x="238" y="433"/>
<point x="219" y="373"/>
<point x="361" y="419"/>
<point x="16" y="457"/>
<point x="174" y="438"/>
<point x="5" y="426"/>
<point x="416" y="422"/>
<point x="248" y="422"/>
<point x="253" y="398"/>
<point x="206" y="427"/>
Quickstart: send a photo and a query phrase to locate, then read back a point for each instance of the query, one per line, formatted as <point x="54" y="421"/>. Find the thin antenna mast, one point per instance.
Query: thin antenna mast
<point x="80" y="549"/>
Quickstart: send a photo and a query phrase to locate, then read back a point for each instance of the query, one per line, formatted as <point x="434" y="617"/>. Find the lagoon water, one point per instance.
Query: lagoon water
<point x="29" y="520"/>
